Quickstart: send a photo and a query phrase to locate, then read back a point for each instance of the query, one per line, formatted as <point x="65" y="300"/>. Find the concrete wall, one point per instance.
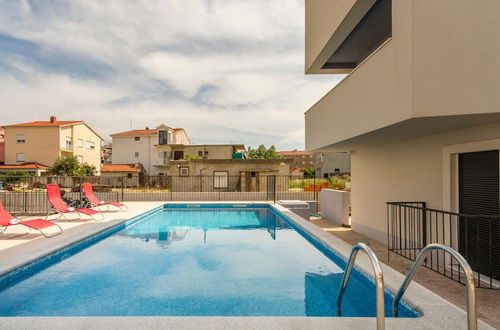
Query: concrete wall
<point x="335" y="206"/>
<point x="411" y="170"/>
<point x="214" y="151"/>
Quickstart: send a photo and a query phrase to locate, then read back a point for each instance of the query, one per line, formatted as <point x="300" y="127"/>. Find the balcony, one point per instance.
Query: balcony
<point x="67" y="147"/>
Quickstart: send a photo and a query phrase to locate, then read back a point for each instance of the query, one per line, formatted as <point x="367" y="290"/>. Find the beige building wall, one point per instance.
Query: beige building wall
<point x="84" y="133"/>
<point x="42" y="144"/>
<point x="180" y="137"/>
<point x="45" y="144"/>
<point x="411" y="170"/>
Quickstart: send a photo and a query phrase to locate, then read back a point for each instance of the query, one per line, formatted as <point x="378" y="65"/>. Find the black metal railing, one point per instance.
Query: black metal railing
<point x="412" y="225"/>
<point x="27" y="194"/>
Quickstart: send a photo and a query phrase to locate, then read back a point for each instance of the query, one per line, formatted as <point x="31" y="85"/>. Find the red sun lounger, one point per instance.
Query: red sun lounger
<point x="7" y="220"/>
<point x="54" y="197"/>
<point x="89" y="194"/>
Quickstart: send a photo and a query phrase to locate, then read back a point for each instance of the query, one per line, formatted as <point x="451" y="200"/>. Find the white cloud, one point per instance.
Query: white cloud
<point x="228" y="71"/>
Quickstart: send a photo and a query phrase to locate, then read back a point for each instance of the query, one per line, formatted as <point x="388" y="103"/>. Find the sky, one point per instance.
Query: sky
<point x="228" y="71"/>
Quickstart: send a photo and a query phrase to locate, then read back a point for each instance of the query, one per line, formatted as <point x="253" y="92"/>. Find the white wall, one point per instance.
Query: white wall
<point x="124" y="148"/>
<point x="409" y="170"/>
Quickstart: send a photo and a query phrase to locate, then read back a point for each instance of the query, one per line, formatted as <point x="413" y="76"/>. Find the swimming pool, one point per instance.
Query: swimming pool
<point x="196" y="260"/>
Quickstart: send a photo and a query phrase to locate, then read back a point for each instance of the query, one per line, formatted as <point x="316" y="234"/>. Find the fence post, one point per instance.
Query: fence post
<point x="25" y="201"/>
<point x="274" y="189"/>
<point x="80" y="191"/>
<point x="123" y="187"/>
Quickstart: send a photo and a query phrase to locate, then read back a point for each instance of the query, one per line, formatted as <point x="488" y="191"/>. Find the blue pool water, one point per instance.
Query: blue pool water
<point x="178" y="260"/>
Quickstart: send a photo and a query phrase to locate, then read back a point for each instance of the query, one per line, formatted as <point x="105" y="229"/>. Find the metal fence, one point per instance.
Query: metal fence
<point x="26" y="194"/>
<point x="411" y="226"/>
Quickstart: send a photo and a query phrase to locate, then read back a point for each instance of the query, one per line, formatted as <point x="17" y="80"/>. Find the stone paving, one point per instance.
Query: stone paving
<point x="488" y="301"/>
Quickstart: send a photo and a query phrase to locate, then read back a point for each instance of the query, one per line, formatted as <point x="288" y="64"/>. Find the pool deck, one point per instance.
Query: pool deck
<point x="438" y="313"/>
<point x="488" y="301"/>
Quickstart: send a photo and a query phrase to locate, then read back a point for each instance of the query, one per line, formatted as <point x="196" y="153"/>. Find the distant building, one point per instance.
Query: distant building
<point x="43" y="142"/>
<point x="128" y="172"/>
<point x="332" y="163"/>
<point x="107" y="153"/>
<point x="2" y="145"/>
<point x="157" y="148"/>
<point x="300" y="159"/>
<point x="35" y="168"/>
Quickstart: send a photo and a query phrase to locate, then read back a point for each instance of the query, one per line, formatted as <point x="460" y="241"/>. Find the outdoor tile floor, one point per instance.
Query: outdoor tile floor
<point x="488" y="301"/>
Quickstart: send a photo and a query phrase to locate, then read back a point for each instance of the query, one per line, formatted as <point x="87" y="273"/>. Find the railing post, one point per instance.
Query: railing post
<point x="424" y="225"/>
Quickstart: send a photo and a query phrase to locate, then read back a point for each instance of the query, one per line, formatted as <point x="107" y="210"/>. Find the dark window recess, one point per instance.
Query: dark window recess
<point x="162" y="137"/>
<point x="206" y="153"/>
<point x="178" y="155"/>
<point x="137" y="138"/>
<point x="371" y="32"/>
<point x="479" y="195"/>
<point x="129" y="175"/>
<point x="200" y="153"/>
<point x="253" y="174"/>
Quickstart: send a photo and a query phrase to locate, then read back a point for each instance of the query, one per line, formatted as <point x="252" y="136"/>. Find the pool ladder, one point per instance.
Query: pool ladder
<point x="379" y="281"/>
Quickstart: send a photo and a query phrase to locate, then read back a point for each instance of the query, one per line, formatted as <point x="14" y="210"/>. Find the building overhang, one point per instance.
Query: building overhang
<point x="408" y="129"/>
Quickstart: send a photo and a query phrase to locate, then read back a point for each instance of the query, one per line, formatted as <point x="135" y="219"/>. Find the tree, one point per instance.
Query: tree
<point x="263" y="153"/>
<point x="308" y="172"/>
<point x="69" y="166"/>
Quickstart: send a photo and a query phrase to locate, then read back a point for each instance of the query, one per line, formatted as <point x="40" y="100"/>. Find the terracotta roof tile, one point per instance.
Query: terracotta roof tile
<point x="24" y="166"/>
<point x="46" y="123"/>
<point x="119" y="168"/>
<point x="136" y="132"/>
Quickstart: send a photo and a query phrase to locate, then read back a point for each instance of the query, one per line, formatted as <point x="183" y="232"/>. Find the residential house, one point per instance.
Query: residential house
<point x="107" y="153"/>
<point x="300" y="159"/>
<point x="147" y="146"/>
<point x="419" y="109"/>
<point x="113" y="174"/>
<point x="37" y="169"/>
<point x="43" y="142"/>
<point x="2" y="145"/>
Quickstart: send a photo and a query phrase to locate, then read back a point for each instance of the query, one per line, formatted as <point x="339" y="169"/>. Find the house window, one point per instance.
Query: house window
<point x="310" y="162"/>
<point x="183" y="171"/>
<point x="137" y="138"/>
<point x="20" y="138"/>
<point x="221" y="179"/>
<point x="20" y="157"/>
<point x="136" y="154"/>
<point x="200" y="153"/>
<point x="337" y="170"/>
<point x="68" y="145"/>
<point x="129" y="175"/>
<point x="90" y="145"/>
<point x="253" y="174"/>
<point x="206" y="153"/>
<point x="162" y="137"/>
<point x="80" y="159"/>
<point x="79" y="143"/>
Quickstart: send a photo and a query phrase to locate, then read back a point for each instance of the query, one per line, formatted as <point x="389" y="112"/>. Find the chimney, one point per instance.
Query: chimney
<point x="53" y="119"/>
<point x="147" y="127"/>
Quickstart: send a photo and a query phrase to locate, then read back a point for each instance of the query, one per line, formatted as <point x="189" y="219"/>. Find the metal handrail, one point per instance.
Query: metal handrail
<point x="471" y="288"/>
<point x="379" y="280"/>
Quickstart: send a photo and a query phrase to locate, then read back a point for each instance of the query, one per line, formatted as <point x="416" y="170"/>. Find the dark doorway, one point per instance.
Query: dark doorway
<point x="479" y="195"/>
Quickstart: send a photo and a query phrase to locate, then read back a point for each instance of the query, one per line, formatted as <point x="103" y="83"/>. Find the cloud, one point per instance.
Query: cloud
<point x="227" y="71"/>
